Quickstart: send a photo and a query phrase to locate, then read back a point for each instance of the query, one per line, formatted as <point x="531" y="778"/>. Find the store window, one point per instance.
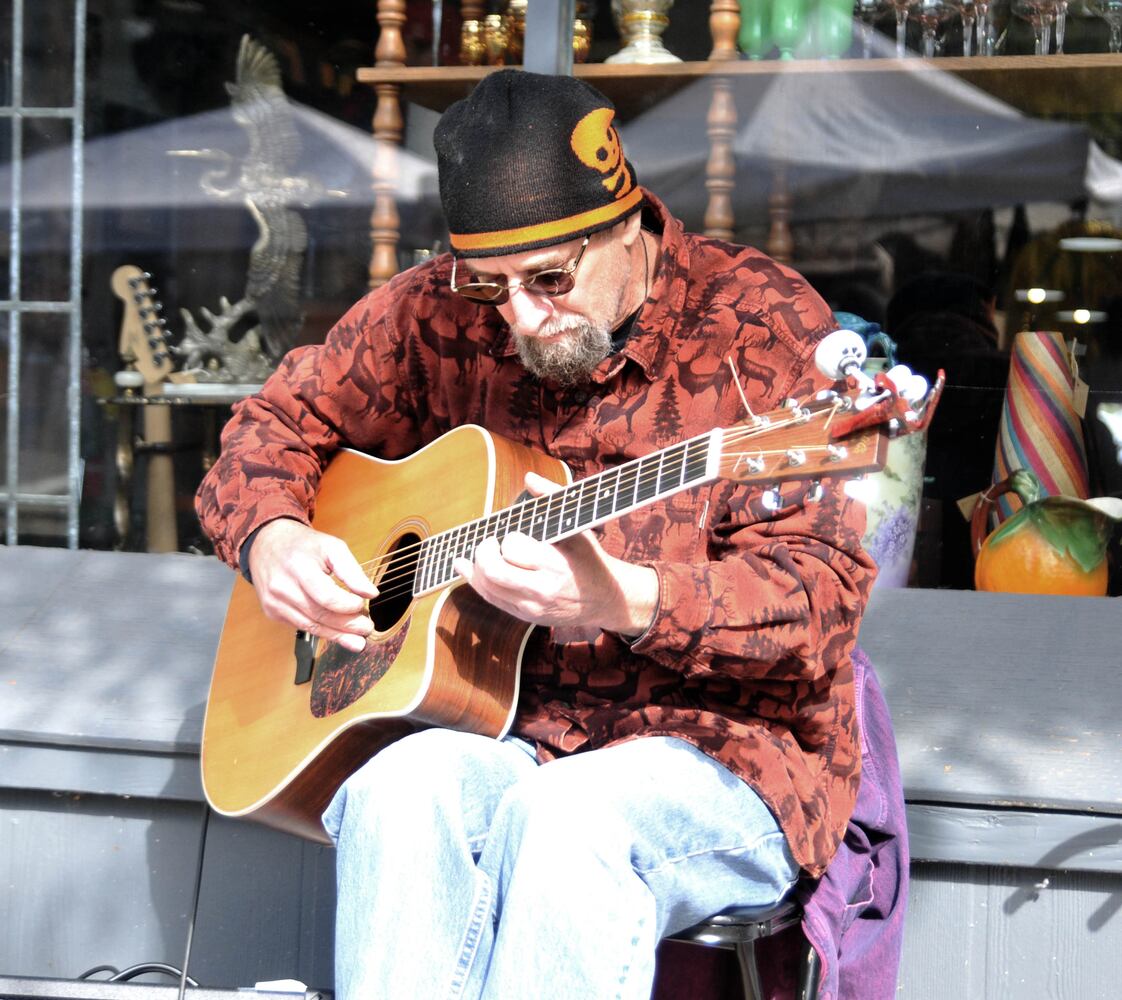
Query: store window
<point x="236" y="196"/>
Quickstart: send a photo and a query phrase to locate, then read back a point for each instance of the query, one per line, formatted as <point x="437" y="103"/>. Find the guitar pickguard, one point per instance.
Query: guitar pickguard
<point x="341" y="677"/>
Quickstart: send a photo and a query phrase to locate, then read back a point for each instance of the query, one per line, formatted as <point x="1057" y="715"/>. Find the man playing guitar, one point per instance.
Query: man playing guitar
<point x="683" y="738"/>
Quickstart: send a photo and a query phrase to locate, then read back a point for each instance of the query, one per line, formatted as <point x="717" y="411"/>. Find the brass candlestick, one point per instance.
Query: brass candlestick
<point x="641" y="23"/>
<point x="582" y="40"/>
<point x="473" y="52"/>
<point x="516" y="30"/>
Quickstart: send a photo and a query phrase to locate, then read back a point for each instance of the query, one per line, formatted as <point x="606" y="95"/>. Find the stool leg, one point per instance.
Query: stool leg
<point x="749" y="974"/>
<point x="810" y="969"/>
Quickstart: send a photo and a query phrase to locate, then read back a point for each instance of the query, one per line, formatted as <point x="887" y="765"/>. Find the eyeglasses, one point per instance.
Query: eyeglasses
<point x="552" y="281"/>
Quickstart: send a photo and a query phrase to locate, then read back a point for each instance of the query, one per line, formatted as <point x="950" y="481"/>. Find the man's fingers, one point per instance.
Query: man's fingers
<point x="526" y="552"/>
<point x="324" y="592"/>
<point x="539" y="486"/>
<point x="343" y="564"/>
<point x="348" y="640"/>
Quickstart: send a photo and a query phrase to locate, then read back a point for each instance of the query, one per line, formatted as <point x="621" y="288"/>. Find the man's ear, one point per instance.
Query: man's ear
<point x="631" y="226"/>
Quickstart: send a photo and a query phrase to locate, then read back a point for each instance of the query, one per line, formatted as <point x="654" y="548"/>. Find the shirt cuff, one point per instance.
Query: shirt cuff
<point x="243" y="553"/>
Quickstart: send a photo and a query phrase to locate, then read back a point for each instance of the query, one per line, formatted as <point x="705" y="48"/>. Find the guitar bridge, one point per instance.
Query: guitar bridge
<point x="305" y="652"/>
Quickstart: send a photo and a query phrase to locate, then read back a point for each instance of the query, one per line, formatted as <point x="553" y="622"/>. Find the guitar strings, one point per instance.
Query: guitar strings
<point x="401" y="564"/>
<point x="733" y="436"/>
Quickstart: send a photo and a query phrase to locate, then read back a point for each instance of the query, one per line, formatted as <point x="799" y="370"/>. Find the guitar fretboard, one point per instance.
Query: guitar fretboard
<point x="574" y="508"/>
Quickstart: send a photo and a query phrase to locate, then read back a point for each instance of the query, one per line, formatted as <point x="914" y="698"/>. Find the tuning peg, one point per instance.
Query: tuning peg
<point x="911" y="385"/>
<point x="840" y="353"/>
<point x="772" y="498"/>
<point x="128" y="380"/>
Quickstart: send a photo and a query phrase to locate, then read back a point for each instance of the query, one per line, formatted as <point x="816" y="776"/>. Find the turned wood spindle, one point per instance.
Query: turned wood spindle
<point x="780" y="242"/>
<point x="724" y="26"/>
<point x="385" y="222"/>
<point x="720" y="171"/>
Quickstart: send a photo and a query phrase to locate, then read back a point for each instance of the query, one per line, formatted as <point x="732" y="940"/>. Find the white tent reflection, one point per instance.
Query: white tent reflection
<point x="137" y="195"/>
<point x="860" y="143"/>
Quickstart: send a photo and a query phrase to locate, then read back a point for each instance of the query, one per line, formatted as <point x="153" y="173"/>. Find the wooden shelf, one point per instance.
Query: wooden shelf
<point x="1037" y="85"/>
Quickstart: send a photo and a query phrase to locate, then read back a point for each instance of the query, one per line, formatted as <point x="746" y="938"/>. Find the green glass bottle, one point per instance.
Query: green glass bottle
<point x="833" y="27"/>
<point x="755" y="28"/>
<point x="788" y="25"/>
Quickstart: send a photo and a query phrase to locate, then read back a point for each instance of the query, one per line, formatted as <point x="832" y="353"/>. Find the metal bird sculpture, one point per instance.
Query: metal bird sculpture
<point x="270" y="192"/>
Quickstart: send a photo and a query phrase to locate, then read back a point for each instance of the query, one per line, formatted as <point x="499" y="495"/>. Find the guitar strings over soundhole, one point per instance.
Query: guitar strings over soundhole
<point x="395" y="583"/>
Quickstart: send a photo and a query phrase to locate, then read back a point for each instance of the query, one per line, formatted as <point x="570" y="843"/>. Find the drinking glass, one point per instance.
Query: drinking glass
<point x="932" y="15"/>
<point x="1111" y="12"/>
<point x="1039" y="13"/>
<point x="968" y="13"/>
<point x="865" y="11"/>
<point x="1059" y="8"/>
<point x="985" y="29"/>
<point x="901" y="8"/>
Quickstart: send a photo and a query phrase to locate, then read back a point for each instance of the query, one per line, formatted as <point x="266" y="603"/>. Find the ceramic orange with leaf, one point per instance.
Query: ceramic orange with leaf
<point x="1052" y="545"/>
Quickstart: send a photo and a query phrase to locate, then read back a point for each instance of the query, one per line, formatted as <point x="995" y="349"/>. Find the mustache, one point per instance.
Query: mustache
<point x="570" y="359"/>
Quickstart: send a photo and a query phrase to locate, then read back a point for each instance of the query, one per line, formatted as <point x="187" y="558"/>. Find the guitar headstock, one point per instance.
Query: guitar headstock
<point x="837" y="434"/>
<point x="141" y="337"/>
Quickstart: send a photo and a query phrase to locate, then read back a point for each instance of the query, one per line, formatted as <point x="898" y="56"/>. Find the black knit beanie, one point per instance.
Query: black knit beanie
<point x="528" y="160"/>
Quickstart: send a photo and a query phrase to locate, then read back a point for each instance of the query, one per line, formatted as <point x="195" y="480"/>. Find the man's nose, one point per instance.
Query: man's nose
<point x="526" y="312"/>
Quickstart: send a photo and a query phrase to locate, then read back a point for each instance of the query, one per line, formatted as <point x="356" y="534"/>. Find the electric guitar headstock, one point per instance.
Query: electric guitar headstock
<point x="837" y="433"/>
<point x="141" y="339"/>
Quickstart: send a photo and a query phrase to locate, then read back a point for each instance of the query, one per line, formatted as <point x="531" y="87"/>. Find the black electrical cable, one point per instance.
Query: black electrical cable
<point x="183" y="980"/>
<point x="123" y="975"/>
<point x="99" y="968"/>
<point x="144" y="968"/>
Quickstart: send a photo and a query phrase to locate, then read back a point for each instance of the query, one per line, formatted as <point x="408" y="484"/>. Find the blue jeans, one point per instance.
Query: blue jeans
<point x="465" y="869"/>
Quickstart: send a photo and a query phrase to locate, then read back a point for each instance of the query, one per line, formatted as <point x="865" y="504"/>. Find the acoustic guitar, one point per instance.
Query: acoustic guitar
<point x="289" y="718"/>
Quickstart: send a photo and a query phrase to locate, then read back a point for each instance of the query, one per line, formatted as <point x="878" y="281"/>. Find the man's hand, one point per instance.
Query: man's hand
<point x="573" y="583"/>
<point x="310" y="580"/>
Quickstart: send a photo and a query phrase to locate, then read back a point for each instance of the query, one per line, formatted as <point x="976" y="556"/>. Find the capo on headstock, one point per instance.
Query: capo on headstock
<point x="888" y="405"/>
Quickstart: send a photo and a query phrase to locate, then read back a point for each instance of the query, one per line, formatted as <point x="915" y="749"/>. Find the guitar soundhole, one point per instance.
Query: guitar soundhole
<point x="395" y="583"/>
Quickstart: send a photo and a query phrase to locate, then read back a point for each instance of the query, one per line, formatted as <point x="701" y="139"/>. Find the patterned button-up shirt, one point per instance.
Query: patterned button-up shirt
<point x="748" y="656"/>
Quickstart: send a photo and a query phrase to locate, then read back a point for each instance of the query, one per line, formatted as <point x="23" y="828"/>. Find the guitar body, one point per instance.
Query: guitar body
<point x="288" y="719"/>
<point x="275" y="750"/>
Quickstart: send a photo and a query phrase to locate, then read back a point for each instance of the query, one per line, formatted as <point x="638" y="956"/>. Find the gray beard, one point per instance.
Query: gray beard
<point x="568" y="361"/>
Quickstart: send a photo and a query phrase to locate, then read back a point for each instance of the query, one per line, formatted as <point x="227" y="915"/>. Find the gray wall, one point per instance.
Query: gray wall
<point x="1007" y="713"/>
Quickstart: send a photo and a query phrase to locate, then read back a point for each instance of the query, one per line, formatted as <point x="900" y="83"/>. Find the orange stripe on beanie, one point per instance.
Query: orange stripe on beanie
<point x="528" y="160"/>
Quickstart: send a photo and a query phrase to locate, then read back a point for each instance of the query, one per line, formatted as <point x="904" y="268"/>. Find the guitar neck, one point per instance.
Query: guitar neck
<point x="576" y="508"/>
<point x="826" y="436"/>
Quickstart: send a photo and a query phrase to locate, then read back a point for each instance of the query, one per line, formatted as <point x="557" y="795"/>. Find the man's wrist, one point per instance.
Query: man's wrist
<point x="247" y="545"/>
<point x="641" y="588"/>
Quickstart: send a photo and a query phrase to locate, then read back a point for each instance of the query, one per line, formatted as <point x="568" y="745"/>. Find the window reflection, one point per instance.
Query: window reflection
<point x="919" y="201"/>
